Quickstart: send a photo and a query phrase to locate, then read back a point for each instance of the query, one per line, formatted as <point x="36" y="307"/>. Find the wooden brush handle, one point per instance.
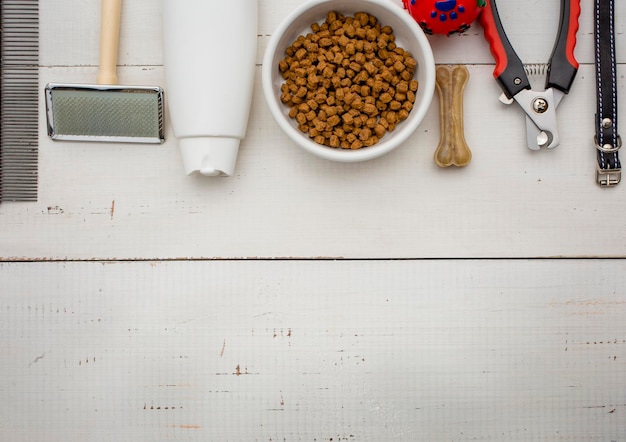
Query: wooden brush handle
<point x="109" y="40"/>
<point x="452" y="149"/>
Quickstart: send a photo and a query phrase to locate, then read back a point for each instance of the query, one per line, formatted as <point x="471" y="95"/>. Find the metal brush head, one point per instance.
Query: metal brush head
<point x="130" y="114"/>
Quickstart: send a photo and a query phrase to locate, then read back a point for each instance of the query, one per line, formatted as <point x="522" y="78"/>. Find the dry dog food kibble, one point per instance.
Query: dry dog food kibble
<point x="347" y="83"/>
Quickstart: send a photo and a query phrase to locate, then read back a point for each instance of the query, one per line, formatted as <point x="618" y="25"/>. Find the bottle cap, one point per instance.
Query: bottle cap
<point x="209" y="156"/>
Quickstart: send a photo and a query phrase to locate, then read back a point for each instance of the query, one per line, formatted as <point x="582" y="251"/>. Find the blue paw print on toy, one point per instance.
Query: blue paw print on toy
<point x="447" y="9"/>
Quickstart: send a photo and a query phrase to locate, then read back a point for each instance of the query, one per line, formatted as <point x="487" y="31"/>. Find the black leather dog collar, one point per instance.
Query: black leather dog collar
<point x="607" y="139"/>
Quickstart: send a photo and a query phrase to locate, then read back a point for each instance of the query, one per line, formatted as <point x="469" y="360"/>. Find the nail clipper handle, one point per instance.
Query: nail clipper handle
<point x="563" y="64"/>
<point x="509" y="71"/>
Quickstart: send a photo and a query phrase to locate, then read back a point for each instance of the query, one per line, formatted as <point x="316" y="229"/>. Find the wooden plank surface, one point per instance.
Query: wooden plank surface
<point x="137" y="303"/>
<point x="525" y="350"/>
<point x="128" y="201"/>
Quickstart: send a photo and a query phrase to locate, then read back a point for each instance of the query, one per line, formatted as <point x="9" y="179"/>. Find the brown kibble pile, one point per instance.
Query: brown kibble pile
<point x="347" y="83"/>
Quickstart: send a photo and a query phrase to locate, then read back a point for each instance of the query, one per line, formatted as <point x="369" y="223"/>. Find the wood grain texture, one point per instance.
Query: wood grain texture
<point x="134" y="202"/>
<point x="284" y="202"/>
<point x="313" y="350"/>
<point x="132" y="308"/>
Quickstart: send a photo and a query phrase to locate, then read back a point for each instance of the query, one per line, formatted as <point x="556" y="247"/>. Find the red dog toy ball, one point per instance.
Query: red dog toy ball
<point x="444" y="16"/>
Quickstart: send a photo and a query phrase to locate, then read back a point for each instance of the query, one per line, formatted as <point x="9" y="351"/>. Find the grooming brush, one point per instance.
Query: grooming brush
<point x="106" y="111"/>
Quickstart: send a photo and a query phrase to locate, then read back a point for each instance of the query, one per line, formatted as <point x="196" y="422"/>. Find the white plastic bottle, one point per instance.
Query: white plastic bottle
<point x="209" y="49"/>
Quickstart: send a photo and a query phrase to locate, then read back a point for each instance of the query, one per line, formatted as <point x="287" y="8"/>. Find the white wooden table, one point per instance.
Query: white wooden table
<point x="307" y="300"/>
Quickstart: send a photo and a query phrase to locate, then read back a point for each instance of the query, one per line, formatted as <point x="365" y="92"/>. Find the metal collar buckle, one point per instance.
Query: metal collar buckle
<point x="608" y="177"/>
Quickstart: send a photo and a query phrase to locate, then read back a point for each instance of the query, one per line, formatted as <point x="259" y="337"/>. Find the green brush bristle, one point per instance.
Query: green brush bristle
<point x="124" y="114"/>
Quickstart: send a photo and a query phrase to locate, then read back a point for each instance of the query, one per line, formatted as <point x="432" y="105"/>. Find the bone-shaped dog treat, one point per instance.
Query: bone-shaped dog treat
<point x="452" y="149"/>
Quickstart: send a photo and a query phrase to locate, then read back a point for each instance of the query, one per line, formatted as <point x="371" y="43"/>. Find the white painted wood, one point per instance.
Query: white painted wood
<point x="313" y="350"/>
<point x="132" y="201"/>
<point x="70" y="31"/>
<point x="161" y="342"/>
<point x="129" y="201"/>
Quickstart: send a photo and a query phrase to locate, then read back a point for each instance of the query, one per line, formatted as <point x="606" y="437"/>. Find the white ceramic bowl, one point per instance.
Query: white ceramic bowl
<point x="408" y="36"/>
